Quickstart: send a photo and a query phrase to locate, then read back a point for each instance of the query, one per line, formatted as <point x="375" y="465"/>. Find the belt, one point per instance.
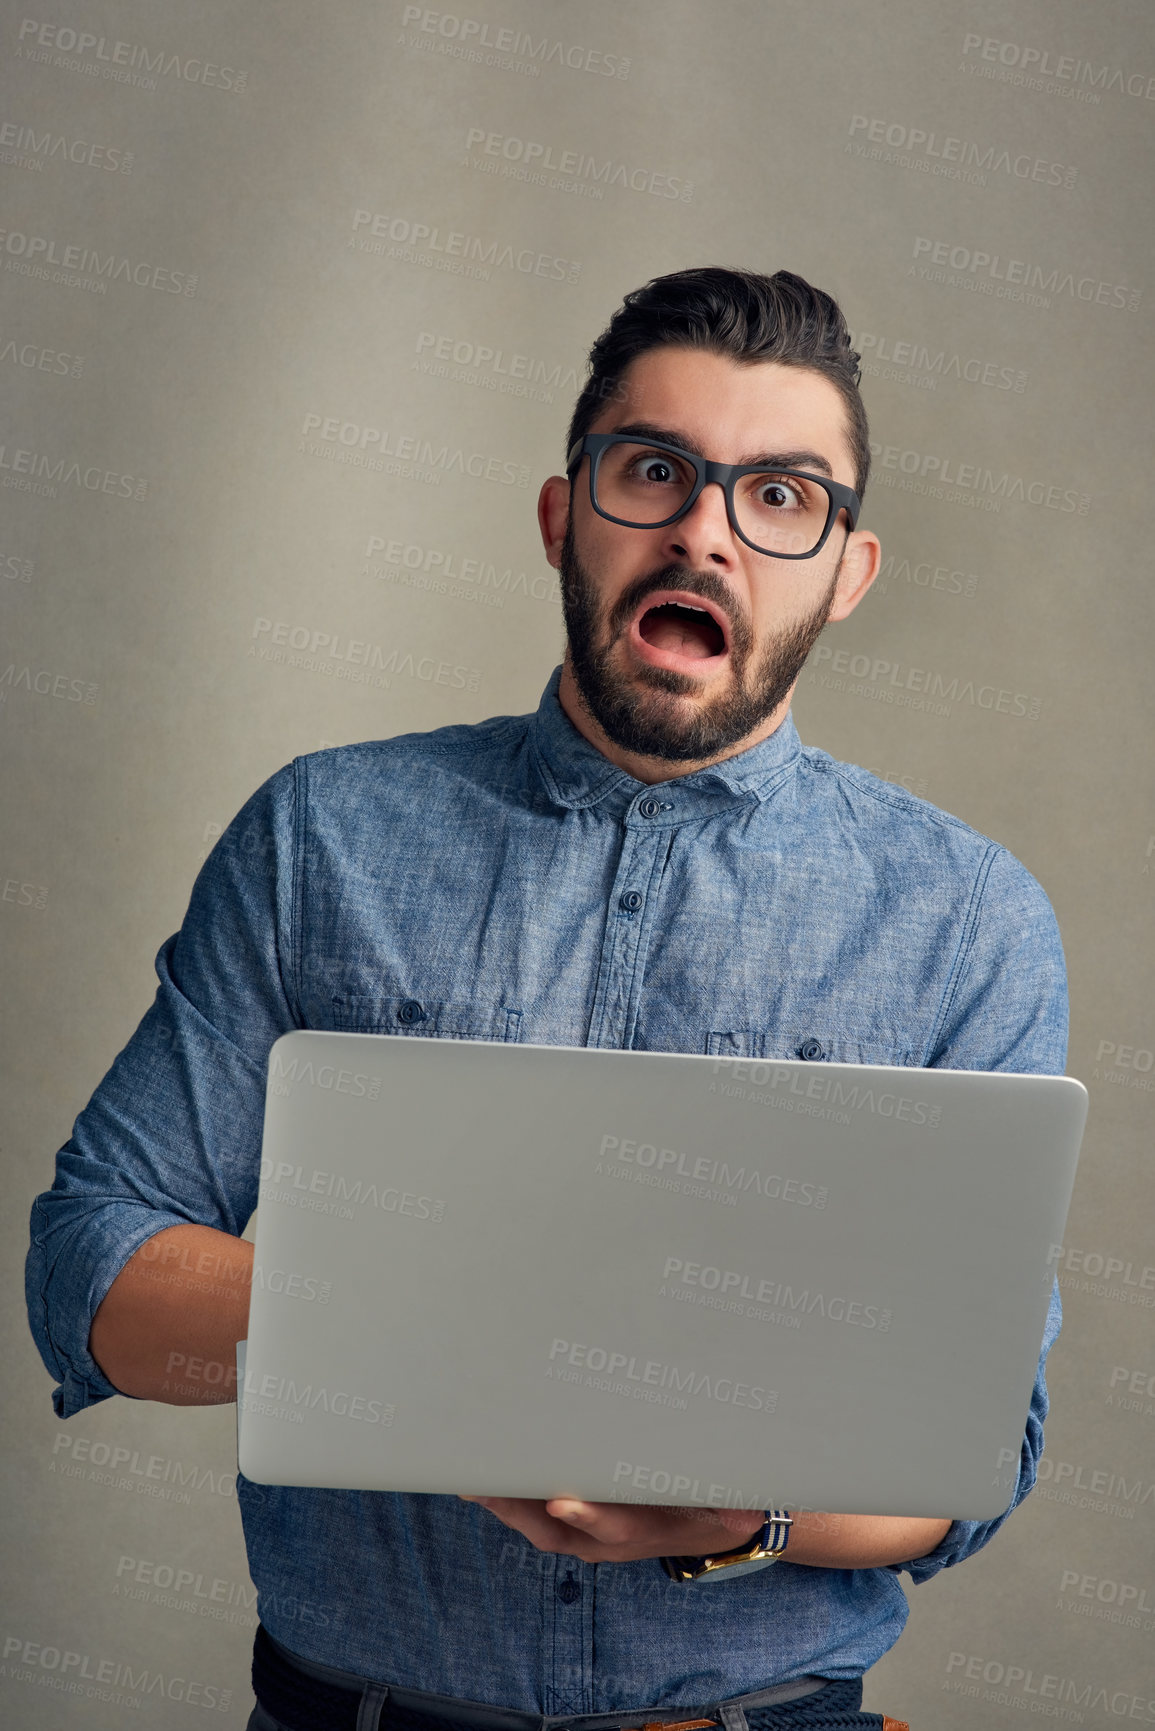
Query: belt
<point x="306" y="1696"/>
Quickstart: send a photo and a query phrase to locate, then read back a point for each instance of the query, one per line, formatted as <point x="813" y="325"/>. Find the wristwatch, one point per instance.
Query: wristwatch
<point x="767" y="1545"/>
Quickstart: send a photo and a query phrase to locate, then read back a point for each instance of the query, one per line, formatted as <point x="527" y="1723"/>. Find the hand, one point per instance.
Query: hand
<point x="622" y="1532"/>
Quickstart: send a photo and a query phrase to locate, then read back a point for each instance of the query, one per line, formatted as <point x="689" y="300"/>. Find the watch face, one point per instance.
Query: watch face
<point x="730" y="1571"/>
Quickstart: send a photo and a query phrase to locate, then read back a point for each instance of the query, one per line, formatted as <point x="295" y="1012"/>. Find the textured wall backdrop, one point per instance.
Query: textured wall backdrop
<point x="295" y="303"/>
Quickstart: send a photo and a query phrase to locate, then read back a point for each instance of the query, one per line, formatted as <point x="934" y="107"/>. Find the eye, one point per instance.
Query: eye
<point x="659" y="471"/>
<point x="781" y="494"/>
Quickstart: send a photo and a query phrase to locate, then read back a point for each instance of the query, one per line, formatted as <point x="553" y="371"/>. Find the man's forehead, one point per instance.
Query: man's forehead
<point x="748" y="407"/>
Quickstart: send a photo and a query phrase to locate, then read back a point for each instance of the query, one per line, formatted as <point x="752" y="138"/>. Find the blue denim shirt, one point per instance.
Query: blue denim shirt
<point x="493" y="873"/>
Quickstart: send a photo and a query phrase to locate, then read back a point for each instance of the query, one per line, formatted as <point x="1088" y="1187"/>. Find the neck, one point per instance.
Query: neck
<point x="640" y="766"/>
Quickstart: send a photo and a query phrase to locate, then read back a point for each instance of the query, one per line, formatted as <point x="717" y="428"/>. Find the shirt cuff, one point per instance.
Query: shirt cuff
<point x="955" y="1544"/>
<point x="76" y="1392"/>
<point x="63" y="1301"/>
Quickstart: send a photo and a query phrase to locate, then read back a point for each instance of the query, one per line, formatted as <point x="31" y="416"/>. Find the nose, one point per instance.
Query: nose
<point x="703" y="536"/>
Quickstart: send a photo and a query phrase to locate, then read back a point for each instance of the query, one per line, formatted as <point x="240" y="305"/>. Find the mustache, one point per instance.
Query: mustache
<point x="701" y="583"/>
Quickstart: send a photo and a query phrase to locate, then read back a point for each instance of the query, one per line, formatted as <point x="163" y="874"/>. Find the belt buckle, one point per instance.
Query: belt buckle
<point x="677" y="1725"/>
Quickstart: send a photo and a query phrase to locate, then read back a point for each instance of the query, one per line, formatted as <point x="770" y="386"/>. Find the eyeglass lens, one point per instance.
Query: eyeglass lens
<point x="642" y="484"/>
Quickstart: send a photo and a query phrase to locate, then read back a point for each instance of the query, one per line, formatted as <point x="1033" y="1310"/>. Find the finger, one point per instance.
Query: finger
<point x="684" y="1529"/>
<point x="640" y="1531"/>
<point x="573" y="1511"/>
<point x="530" y="1518"/>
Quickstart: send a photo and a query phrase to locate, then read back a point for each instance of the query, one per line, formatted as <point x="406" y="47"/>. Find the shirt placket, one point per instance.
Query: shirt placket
<point x="568" y="1618"/>
<point x="630" y="918"/>
<point x="568" y="1590"/>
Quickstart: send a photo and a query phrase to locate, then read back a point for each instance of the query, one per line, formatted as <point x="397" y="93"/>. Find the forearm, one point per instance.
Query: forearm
<point x="168" y="1325"/>
<point x="862" y="1541"/>
<point x="626" y="1533"/>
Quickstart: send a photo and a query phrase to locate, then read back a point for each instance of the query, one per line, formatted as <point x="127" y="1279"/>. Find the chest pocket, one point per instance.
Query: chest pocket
<point x="426" y="1018"/>
<point x="814" y="1044"/>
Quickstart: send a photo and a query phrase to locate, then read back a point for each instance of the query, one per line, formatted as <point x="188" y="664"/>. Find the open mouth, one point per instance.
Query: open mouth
<point x="682" y="629"/>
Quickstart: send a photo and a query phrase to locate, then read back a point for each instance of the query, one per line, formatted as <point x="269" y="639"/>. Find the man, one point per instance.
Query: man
<point x="650" y="861"/>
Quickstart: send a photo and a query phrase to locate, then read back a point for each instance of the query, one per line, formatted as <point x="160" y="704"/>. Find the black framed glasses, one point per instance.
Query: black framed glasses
<point x="646" y="484"/>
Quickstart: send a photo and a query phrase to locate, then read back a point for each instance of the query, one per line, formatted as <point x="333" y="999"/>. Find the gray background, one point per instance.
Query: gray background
<point x="143" y="694"/>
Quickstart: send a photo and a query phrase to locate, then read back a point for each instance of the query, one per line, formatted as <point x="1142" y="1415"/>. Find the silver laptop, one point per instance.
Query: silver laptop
<point x="532" y="1271"/>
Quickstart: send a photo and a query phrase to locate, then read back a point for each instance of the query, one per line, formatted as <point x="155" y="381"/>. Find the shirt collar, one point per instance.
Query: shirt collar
<point x="577" y="775"/>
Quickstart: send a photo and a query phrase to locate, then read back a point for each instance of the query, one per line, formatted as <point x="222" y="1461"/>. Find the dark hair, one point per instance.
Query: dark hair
<point x="738" y="313"/>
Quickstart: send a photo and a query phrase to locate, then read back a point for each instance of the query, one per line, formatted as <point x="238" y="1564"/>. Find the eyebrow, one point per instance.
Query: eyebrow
<point x="758" y="459"/>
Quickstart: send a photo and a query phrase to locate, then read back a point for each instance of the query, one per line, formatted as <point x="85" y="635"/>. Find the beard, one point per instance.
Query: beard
<point x="650" y="721"/>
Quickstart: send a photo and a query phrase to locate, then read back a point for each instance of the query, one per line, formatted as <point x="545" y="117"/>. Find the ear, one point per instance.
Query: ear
<point x="861" y="559"/>
<point x="553" y="516"/>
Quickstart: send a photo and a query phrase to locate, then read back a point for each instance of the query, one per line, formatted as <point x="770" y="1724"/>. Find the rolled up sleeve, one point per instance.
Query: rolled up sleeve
<point x="172" y="1134"/>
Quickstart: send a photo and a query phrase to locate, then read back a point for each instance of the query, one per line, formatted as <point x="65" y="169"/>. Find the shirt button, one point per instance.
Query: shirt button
<point x="569" y="1590"/>
<point x="630" y="900"/>
<point x="811" y="1050"/>
<point x="649" y="807"/>
<point x="410" y="1011"/>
